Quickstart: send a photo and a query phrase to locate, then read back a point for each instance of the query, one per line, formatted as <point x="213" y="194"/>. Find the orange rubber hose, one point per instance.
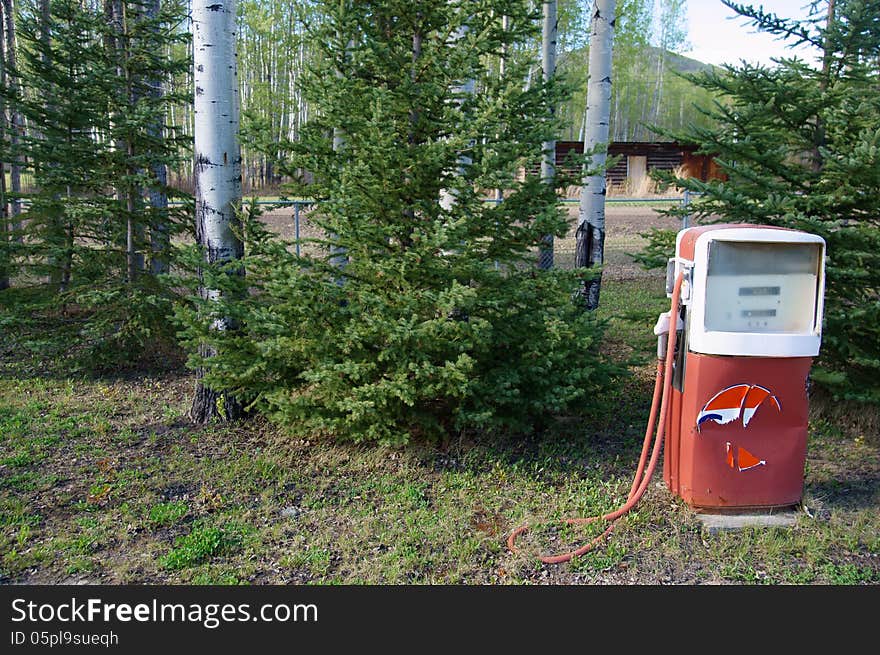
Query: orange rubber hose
<point x="642" y="477"/>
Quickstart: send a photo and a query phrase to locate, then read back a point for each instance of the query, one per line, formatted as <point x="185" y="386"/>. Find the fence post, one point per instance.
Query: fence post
<point x="686" y="217"/>
<point x="296" y="224"/>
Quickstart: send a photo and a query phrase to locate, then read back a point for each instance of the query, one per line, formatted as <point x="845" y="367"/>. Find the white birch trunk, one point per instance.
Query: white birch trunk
<point x="548" y="164"/>
<point x="658" y="83"/>
<point x="338" y="254"/>
<point x="590" y="247"/>
<point x="467" y="87"/>
<point x="217" y="169"/>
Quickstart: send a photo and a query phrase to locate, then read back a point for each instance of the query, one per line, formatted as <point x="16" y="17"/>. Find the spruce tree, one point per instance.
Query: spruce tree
<point x="131" y="303"/>
<point x="136" y="35"/>
<point x="60" y="90"/>
<point x="799" y="142"/>
<point x="96" y="146"/>
<point x="440" y="321"/>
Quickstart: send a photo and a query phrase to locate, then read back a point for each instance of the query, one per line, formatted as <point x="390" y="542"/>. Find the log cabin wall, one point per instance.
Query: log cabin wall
<point x="638" y="156"/>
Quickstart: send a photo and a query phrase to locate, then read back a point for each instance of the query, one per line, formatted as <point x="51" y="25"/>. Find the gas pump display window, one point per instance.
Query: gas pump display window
<point x="762" y="287"/>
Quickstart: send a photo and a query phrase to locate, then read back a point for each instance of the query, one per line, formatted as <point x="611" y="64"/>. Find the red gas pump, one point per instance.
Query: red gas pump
<point x="730" y="396"/>
<point x="751" y="320"/>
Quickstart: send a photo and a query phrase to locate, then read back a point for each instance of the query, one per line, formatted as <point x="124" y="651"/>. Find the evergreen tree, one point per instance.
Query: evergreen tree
<point x="95" y="142"/>
<point x="5" y="223"/>
<point x="61" y="91"/>
<point x="441" y="322"/>
<point x="800" y="144"/>
<point x="15" y="119"/>
<point x="140" y="147"/>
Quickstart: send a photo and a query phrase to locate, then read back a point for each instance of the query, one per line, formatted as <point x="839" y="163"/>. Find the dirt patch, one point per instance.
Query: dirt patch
<point x="624" y="225"/>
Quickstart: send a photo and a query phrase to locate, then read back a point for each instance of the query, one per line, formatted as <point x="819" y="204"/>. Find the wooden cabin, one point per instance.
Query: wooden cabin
<point x="638" y="158"/>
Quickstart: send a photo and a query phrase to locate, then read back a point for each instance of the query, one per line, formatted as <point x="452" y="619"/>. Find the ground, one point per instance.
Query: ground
<point x="103" y="480"/>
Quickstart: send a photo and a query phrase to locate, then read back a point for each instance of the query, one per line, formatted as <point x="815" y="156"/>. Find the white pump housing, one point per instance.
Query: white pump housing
<point x="754" y="291"/>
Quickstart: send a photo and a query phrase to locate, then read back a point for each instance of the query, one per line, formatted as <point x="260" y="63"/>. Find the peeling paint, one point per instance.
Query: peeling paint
<point x="740" y="459"/>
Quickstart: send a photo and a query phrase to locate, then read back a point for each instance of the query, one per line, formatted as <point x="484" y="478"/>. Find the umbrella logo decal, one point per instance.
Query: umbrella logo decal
<point x="734" y="402"/>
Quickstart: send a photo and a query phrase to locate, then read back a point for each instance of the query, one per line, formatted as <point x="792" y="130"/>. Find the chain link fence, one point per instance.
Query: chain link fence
<point x="559" y="253"/>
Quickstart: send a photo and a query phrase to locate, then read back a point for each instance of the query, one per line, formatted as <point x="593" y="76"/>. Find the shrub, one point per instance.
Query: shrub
<point x="419" y="311"/>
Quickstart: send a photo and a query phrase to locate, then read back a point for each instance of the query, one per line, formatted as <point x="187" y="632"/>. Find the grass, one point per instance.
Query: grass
<point x="201" y="544"/>
<point x="102" y="479"/>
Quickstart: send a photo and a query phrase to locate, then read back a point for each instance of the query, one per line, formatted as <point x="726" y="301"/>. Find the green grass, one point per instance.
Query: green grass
<point x="199" y="545"/>
<point x="166" y="514"/>
<point x="103" y="480"/>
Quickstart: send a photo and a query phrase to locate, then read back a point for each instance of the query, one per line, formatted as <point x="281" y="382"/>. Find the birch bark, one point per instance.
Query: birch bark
<point x="217" y="169"/>
<point x="548" y="164"/>
<point x="590" y="248"/>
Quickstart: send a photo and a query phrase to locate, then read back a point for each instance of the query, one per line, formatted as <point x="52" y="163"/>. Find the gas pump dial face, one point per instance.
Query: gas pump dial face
<point x="761" y="287"/>
<point x="757" y="292"/>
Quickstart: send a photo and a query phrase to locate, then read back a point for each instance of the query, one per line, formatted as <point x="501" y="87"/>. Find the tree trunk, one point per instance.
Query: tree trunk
<point x="115" y="42"/>
<point x="16" y="132"/>
<point x="827" y="55"/>
<point x="502" y="71"/>
<point x="548" y="163"/>
<point x="4" y="228"/>
<point x="409" y="211"/>
<point x="447" y="196"/>
<point x="56" y="226"/>
<point x="159" y="241"/>
<point x="590" y="248"/>
<point x="658" y="83"/>
<point x="133" y="192"/>
<point x="338" y="254"/>
<point x="217" y="169"/>
<point x="4" y="207"/>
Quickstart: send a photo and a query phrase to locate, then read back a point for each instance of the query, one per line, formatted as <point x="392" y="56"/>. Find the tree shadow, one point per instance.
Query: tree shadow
<point x="853" y="492"/>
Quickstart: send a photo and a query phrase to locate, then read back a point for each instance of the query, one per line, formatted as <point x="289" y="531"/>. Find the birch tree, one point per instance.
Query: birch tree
<point x="672" y="37"/>
<point x="590" y="247"/>
<point x="217" y="169"/>
<point x="548" y="164"/>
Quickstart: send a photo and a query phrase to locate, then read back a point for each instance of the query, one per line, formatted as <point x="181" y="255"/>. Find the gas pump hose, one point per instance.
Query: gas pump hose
<point x="662" y="380"/>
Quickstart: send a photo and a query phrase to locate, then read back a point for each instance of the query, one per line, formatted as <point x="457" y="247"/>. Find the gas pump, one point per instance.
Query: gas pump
<point x="733" y="359"/>
<point x="750" y="324"/>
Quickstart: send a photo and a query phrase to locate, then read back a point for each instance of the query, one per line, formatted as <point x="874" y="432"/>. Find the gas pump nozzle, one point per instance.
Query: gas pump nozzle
<point x="661" y="329"/>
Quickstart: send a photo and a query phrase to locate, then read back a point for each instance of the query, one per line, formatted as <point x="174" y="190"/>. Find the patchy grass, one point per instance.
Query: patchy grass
<point x="103" y="480"/>
<point x="201" y="544"/>
<point x="167" y="514"/>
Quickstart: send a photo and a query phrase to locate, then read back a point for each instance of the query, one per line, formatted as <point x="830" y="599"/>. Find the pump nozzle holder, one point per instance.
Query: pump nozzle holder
<point x="661" y="329"/>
